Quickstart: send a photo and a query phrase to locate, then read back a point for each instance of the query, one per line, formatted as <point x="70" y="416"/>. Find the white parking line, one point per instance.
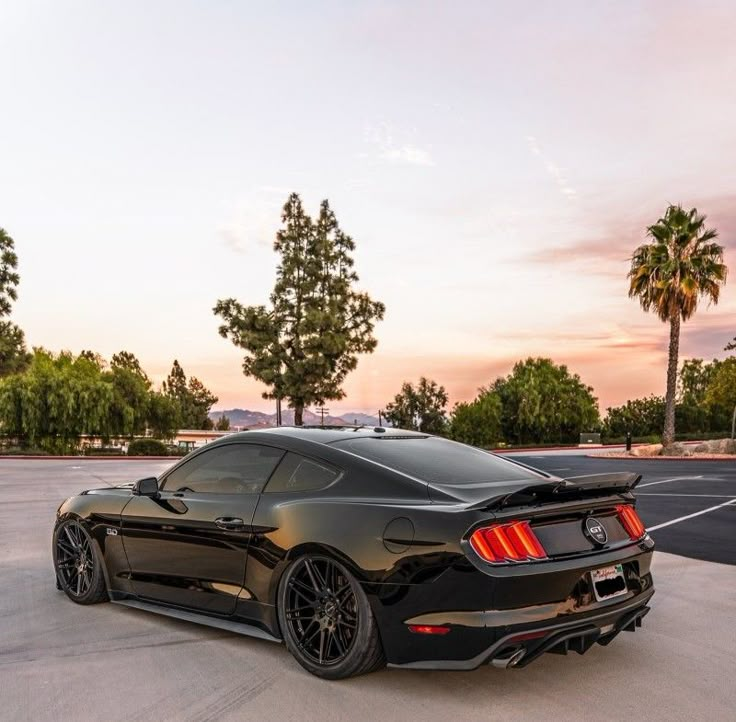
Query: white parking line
<point x="690" y="516"/>
<point x="699" y="496"/>
<point x="665" y="481"/>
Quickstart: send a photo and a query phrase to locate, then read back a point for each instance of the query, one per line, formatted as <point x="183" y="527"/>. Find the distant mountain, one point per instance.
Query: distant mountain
<point x="359" y="418"/>
<point x="246" y="419"/>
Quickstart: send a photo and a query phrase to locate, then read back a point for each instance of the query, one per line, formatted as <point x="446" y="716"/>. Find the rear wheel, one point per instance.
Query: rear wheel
<point x="326" y="620"/>
<point x="76" y="562"/>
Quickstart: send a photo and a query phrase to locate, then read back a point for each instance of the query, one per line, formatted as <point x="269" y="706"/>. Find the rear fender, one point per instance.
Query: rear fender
<point x="310" y="548"/>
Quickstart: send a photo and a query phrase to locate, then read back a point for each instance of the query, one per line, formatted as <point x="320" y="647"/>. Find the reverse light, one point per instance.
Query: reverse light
<point x="630" y="521"/>
<point x="514" y="542"/>
<point x="428" y="629"/>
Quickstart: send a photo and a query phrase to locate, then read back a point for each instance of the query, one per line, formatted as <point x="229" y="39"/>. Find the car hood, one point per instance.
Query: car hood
<point x="118" y="490"/>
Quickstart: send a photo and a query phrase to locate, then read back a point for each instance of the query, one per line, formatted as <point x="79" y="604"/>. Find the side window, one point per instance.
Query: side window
<point x="230" y="469"/>
<point x="297" y="473"/>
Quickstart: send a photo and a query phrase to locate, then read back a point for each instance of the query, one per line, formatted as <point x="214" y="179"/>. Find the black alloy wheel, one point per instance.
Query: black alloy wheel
<point x="326" y="619"/>
<point x="78" y="569"/>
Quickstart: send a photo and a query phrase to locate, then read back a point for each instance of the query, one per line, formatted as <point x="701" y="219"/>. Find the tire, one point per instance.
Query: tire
<point x="77" y="564"/>
<point x="326" y="620"/>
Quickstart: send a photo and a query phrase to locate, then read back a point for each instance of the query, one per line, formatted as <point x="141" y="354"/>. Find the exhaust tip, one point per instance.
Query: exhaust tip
<point x="509" y="661"/>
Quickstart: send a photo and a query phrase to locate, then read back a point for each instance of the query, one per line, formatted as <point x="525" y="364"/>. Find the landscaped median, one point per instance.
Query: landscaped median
<point x="702" y="450"/>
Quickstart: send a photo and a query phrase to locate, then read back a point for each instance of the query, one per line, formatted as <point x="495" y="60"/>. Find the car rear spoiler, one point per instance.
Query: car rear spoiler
<point x="576" y="487"/>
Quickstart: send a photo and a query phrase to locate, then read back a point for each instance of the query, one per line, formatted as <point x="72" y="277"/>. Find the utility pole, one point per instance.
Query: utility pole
<point x="380" y="423"/>
<point x="322" y="411"/>
<point x="278" y="412"/>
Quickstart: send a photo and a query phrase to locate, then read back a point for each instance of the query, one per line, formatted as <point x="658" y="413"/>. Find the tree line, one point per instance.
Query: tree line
<point x="541" y="402"/>
<point x="59" y="399"/>
<point x="303" y="345"/>
<point x="49" y="401"/>
<point x="704" y="404"/>
<point x="305" y="342"/>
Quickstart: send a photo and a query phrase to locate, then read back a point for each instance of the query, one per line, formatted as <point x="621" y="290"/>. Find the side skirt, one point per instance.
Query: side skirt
<point x="187" y="616"/>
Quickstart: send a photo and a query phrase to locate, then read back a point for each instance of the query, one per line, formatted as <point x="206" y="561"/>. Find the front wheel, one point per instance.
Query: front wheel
<point x="78" y="568"/>
<point x="326" y="621"/>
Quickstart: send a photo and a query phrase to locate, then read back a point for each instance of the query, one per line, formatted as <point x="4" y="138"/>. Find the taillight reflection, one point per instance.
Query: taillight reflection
<point x="631" y="522"/>
<point x="514" y="542"/>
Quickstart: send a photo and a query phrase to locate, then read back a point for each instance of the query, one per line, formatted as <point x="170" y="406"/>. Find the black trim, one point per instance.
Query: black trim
<point x="228" y="624"/>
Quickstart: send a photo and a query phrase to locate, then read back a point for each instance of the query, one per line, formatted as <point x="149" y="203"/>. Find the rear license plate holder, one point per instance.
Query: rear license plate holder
<point x="608" y="582"/>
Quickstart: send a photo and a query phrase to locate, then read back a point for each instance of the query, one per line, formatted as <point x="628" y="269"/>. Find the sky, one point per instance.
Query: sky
<point x="496" y="164"/>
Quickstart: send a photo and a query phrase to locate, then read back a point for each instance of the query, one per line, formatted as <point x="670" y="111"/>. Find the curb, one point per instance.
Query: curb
<point x="662" y="458"/>
<point x="88" y="458"/>
<point x="507" y="450"/>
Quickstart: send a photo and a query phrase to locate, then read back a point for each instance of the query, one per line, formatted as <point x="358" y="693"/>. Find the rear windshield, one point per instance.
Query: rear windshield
<point x="436" y="460"/>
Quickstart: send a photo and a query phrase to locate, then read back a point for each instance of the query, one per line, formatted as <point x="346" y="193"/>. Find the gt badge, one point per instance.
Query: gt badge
<point x="111" y="532"/>
<point x="595" y="531"/>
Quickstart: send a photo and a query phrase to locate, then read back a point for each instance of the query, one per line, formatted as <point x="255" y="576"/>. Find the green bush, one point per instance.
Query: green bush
<point x="703" y="436"/>
<point x="617" y="440"/>
<point x="147" y="447"/>
<point x="532" y="445"/>
<point x="103" y="451"/>
<point x="22" y="451"/>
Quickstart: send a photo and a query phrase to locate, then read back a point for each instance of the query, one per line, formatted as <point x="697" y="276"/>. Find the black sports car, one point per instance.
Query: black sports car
<point x="361" y="546"/>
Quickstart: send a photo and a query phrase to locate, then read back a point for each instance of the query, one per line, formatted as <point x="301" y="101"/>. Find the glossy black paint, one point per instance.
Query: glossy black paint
<point x="404" y="540"/>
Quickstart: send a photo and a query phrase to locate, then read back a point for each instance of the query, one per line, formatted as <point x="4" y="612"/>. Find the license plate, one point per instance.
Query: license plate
<point x="608" y="582"/>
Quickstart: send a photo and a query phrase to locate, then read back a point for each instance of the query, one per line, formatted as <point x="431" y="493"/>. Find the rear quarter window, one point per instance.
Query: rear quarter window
<point x="298" y="473"/>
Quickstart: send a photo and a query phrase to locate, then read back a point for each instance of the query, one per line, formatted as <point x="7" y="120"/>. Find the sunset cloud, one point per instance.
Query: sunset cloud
<point x="386" y="148"/>
<point x="557" y="173"/>
<point x="496" y="168"/>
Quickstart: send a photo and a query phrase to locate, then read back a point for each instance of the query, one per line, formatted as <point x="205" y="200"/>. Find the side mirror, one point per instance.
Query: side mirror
<point x="146" y="487"/>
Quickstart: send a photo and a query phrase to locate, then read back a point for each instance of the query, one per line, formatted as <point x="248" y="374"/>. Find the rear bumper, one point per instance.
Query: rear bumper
<point x="485" y="610"/>
<point x="520" y="648"/>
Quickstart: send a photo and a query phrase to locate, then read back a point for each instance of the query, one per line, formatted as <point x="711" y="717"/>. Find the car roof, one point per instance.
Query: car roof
<point x="326" y="434"/>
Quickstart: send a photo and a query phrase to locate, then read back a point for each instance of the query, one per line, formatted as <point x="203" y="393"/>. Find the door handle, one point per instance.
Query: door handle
<point x="230" y="523"/>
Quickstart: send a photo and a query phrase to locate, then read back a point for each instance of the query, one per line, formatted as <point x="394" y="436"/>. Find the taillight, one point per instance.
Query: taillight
<point x="631" y="522"/>
<point x="514" y="542"/>
<point x="429" y="629"/>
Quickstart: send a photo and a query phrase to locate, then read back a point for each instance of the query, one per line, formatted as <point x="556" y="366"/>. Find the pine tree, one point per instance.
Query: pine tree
<point x="306" y="343"/>
<point x="14" y="357"/>
<point x="192" y="399"/>
<point x="176" y="382"/>
<point x="223" y="423"/>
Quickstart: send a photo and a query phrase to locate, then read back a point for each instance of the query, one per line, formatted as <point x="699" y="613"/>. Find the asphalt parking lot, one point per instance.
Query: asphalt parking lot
<point x="689" y="507"/>
<point x="61" y="661"/>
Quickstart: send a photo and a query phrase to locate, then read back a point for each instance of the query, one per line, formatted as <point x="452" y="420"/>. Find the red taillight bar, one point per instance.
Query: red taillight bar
<point x="630" y="521"/>
<point x="512" y="542"/>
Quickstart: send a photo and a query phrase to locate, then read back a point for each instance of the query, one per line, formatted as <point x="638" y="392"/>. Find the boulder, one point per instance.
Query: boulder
<point x="647" y="450"/>
<point x="676" y="449"/>
<point x="712" y="447"/>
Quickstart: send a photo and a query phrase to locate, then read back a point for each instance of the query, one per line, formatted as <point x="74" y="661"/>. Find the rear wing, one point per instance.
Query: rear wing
<point x="617" y="482"/>
<point x="574" y="488"/>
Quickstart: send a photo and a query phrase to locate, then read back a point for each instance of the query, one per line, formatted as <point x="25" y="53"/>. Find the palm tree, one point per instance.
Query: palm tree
<point x="669" y="275"/>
